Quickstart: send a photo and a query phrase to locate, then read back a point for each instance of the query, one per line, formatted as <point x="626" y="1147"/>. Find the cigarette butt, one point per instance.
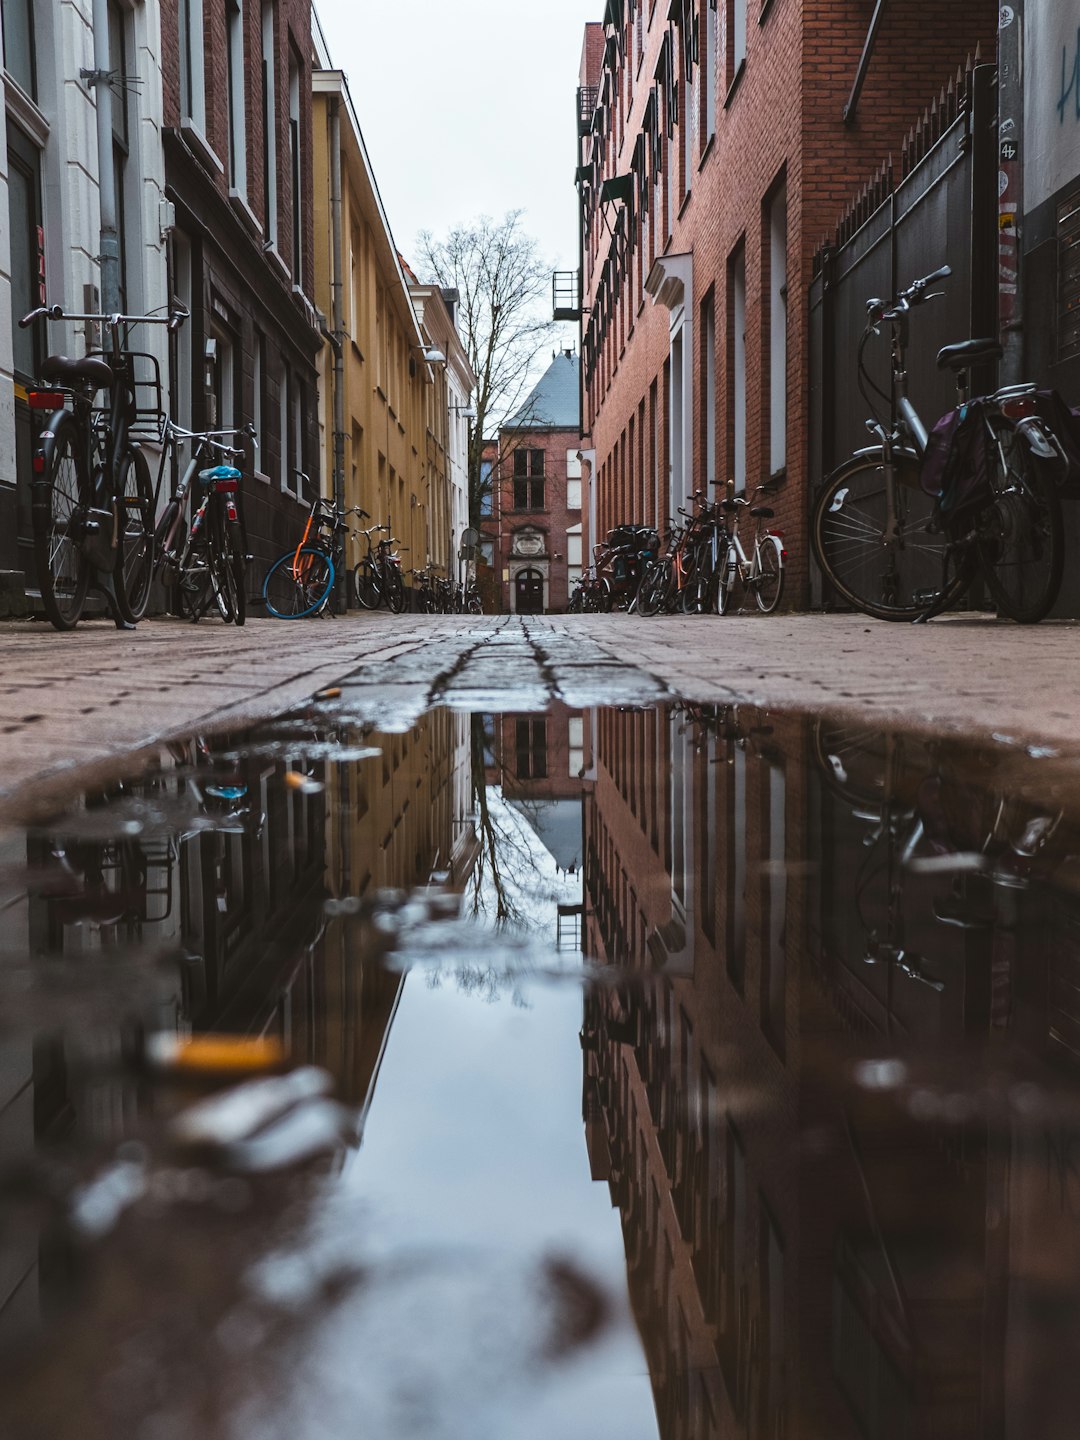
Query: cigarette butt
<point x="331" y="694"/>
<point x="215" y="1054"/>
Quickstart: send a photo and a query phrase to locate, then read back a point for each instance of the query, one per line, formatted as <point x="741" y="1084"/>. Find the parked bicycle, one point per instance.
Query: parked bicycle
<point x="377" y="577"/>
<point x="204" y="563"/>
<point x="894" y="551"/>
<point x="301" y="582"/>
<point x="680" y="578"/>
<point x="761" y="573"/>
<point x="92" y="500"/>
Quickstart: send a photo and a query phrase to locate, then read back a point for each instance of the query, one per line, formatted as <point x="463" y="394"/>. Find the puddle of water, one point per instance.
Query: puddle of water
<point x="618" y="1072"/>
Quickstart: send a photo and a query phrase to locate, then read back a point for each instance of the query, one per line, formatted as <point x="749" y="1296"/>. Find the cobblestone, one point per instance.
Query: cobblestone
<point x="85" y="701"/>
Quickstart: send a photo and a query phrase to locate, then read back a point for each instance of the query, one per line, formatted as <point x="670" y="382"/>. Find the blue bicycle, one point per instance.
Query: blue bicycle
<point x="301" y="582"/>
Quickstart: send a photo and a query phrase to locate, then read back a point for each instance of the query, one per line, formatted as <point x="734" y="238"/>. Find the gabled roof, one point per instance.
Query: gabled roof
<point x="555" y="402"/>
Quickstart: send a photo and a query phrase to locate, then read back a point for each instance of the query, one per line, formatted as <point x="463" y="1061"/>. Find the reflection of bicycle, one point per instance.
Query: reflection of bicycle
<point x="890" y="550"/>
<point x="92" y="500"/>
<point x="301" y="582"/>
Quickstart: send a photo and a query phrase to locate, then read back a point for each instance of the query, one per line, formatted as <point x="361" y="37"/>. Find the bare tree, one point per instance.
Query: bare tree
<point x="505" y="317"/>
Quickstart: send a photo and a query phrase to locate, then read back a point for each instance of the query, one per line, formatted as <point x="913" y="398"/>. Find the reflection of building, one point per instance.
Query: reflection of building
<point x="810" y="1256"/>
<point x="230" y="873"/>
<point x="538" y="493"/>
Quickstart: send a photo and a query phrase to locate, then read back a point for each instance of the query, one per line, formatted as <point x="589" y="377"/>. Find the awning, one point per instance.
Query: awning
<point x="613" y="13"/>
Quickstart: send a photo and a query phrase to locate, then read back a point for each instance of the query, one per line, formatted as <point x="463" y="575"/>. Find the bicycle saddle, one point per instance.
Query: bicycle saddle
<point x="86" y="371"/>
<point x="968" y="352"/>
<point x="763" y="512"/>
<point x="220" y="472"/>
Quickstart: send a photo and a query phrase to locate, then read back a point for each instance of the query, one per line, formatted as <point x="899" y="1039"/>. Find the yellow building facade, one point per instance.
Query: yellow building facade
<point x="391" y="457"/>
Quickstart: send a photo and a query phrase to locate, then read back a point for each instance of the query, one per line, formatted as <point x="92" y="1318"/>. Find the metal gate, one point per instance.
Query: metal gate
<point x="941" y="211"/>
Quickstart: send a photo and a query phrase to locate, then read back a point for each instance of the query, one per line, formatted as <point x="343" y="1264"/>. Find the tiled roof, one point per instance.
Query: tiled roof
<point x="555" y="402"/>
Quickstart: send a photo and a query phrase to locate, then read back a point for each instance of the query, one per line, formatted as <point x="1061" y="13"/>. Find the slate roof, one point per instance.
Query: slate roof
<point x="555" y="402"/>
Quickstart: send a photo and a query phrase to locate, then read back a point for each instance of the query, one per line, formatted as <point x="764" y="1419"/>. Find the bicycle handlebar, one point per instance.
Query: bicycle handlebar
<point x="173" y="320"/>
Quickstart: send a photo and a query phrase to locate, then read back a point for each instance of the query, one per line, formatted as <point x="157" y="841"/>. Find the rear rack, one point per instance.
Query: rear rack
<point x="147" y="423"/>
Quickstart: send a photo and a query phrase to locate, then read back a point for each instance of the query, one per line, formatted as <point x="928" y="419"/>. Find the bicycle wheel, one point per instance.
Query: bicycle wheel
<point x="1019" y="537"/>
<point x="60" y="501"/>
<point x="227" y="564"/>
<point x="474" y="605"/>
<point x="769" y="581"/>
<point x="298" y="584"/>
<point x="889" y="578"/>
<point x="654" y="587"/>
<point x="695" y="595"/>
<point x="395" y="590"/>
<point x="134" y="572"/>
<point x="727" y="581"/>
<point x="366" y="585"/>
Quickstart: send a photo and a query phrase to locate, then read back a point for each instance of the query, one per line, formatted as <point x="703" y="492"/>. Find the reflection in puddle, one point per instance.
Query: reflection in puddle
<point x="299" y="1030"/>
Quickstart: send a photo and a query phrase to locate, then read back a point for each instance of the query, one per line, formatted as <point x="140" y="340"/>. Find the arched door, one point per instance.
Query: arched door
<point x="529" y="592"/>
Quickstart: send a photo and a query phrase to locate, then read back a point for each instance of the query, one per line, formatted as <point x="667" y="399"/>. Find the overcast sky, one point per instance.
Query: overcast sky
<point x="467" y="108"/>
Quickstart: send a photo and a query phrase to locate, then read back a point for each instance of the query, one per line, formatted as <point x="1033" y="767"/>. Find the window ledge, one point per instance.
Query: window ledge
<point x="239" y="203"/>
<point x="259" y="475"/>
<point x="273" y="254"/>
<point x="685" y="202"/>
<point x="739" y="73"/>
<point x="709" y="148"/>
<point x="199" y="146"/>
<point x="22" y="109"/>
<point x="766" y="6"/>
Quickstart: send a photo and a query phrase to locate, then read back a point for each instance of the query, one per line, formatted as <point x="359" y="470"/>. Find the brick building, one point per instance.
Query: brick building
<point x="537" y="496"/>
<point x="717" y="144"/>
<point x="238" y="169"/>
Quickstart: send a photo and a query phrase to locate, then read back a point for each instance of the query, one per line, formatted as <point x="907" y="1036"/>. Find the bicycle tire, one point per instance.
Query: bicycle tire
<point x="728" y="577"/>
<point x="474" y="605"/>
<point x="227" y="565"/>
<point x="769" y="581"/>
<point x="1020" y="537"/>
<point x="293" y="596"/>
<point x="890" y="580"/>
<point x="134" y="571"/>
<point x="695" y="594"/>
<point x="366" y="585"/>
<point x="394" y="587"/>
<point x="60" y="502"/>
<point x="653" y="588"/>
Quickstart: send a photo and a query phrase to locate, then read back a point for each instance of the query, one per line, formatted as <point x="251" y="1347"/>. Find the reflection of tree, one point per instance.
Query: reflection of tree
<point x="505" y="861"/>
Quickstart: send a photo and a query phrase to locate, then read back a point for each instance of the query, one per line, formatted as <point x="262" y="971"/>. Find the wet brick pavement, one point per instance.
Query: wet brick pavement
<point x="91" y="697"/>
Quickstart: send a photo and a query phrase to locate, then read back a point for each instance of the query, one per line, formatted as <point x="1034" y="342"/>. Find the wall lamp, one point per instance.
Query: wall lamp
<point x="432" y="354"/>
<point x="467" y="412"/>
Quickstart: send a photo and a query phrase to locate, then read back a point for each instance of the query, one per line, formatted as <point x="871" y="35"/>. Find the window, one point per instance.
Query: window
<point x="269" y="125"/>
<point x="234" y="36"/>
<point x="575" y="728"/>
<point x="709" y="18"/>
<point x="737" y="354"/>
<point x="17" y="17"/>
<point x="294" y="167"/>
<point x="528" y="479"/>
<point x="224" y="379"/>
<point x="574" y="544"/>
<point x="734" y="40"/>
<point x="182" y="402"/>
<point x="27" y="244"/>
<point x="258" y="398"/>
<point x="192" y="86"/>
<point x="777" y="222"/>
<point x="284" y="447"/>
<point x="486" y="488"/>
<point x="708" y="389"/>
<point x="118" y="65"/>
<point x="298" y="411"/>
<point x="531" y="749"/>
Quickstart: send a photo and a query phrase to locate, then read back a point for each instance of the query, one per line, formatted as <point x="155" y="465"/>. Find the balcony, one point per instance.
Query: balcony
<point x="586" y="104"/>
<point x="565" y="295"/>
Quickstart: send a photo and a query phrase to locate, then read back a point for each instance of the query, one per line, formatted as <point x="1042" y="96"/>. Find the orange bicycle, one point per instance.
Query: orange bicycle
<point x="301" y="582"/>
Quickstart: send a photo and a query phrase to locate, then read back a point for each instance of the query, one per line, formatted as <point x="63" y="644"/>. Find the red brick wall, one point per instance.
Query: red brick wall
<point x="554" y="519"/>
<point x="783" y="118"/>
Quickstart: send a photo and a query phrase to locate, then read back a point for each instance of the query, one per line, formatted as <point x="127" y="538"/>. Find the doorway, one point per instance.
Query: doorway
<point x="529" y="592"/>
